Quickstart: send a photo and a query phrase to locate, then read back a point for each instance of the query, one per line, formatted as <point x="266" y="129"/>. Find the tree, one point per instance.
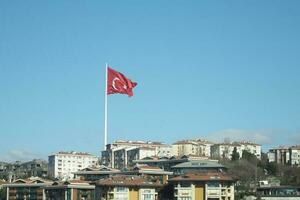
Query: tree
<point x="246" y="155"/>
<point x="2" y="194"/>
<point x="272" y="168"/>
<point x="235" y="155"/>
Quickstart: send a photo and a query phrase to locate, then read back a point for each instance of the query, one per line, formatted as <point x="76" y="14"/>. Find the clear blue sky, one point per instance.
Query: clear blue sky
<point x="205" y="69"/>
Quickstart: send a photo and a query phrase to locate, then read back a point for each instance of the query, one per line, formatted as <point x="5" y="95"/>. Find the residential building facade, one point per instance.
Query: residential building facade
<point x="224" y="150"/>
<point x="120" y="154"/>
<point x="192" y="147"/>
<point x="62" y="165"/>
<point x="294" y="153"/>
<point x="32" y="188"/>
<point x="127" y="187"/>
<point x="203" y="186"/>
<point x="280" y="155"/>
<point x="70" y="190"/>
<point x="278" y="193"/>
<point x="21" y="170"/>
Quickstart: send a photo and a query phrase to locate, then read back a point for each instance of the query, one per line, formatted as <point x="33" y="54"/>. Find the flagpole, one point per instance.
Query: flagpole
<point x="105" y="109"/>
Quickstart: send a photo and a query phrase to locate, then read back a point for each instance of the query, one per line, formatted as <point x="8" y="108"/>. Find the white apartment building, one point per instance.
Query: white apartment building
<point x="294" y="153"/>
<point x="280" y="155"/>
<point x="192" y="147"/>
<point x="120" y="153"/>
<point x="62" y="164"/>
<point x="224" y="150"/>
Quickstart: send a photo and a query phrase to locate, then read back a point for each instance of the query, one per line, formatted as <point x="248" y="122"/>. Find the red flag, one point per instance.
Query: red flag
<point x="118" y="83"/>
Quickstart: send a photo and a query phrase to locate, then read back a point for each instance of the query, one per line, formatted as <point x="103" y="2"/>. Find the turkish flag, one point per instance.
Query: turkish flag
<point x="117" y="83"/>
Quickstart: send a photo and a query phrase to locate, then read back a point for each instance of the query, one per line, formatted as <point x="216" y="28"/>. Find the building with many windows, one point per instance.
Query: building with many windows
<point x="120" y="154"/>
<point x="285" y="155"/>
<point x="95" y="173"/>
<point x="198" y="166"/>
<point x="32" y="188"/>
<point x="70" y="190"/>
<point x="203" y="186"/>
<point x="278" y="193"/>
<point x="22" y="170"/>
<point x="224" y="150"/>
<point x="127" y="187"/>
<point x="192" y="147"/>
<point x="294" y="153"/>
<point x="62" y="165"/>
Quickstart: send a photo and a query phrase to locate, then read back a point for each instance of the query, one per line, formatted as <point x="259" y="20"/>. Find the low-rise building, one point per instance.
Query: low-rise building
<point x="197" y="166"/>
<point x="127" y="187"/>
<point x="32" y="188"/>
<point x="62" y="165"/>
<point x="95" y="173"/>
<point x="152" y="173"/>
<point x="70" y="190"/>
<point x="203" y="186"/>
<point x="278" y="193"/>
<point x="167" y="163"/>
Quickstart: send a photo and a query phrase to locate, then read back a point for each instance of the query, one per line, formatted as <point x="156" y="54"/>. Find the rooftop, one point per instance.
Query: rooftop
<point x="127" y="181"/>
<point x="73" y="153"/>
<point x="202" y="177"/>
<point x="137" y="142"/>
<point x="199" y="164"/>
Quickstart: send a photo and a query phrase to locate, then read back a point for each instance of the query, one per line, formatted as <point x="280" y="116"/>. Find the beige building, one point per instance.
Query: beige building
<point x="203" y="186"/>
<point x="192" y="147"/>
<point x="127" y="187"/>
<point x="120" y="154"/>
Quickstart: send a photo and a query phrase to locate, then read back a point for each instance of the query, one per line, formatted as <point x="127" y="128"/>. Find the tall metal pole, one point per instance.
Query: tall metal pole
<point x="105" y="109"/>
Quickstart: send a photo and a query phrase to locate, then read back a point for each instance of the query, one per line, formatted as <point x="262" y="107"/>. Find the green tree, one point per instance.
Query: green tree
<point x="272" y="168"/>
<point x="246" y="155"/>
<point x="2" y="194"/>
<point x="235" y="155"/>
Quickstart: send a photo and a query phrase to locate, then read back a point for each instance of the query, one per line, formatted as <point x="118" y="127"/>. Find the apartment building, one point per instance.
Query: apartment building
<point x="70" y="190"/>
<point x="224" y="150"/>
<point x="203" y="186"/>
<point x="32" y="188"/>
<point x="20" y="170"/>
<point x="285" y="155"/>
<point x="280" y="155"/>
<point x="62" y="165"/>
<point x="192" y="147"/>
<point x="120" y="154"/>
<point x="294" y="153"/>
<point x="127" y="187"/>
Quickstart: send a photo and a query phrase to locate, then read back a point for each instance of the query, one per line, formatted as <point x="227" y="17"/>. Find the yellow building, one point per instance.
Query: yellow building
<point x="127" y="187"/>
<point x="203" y="186"/>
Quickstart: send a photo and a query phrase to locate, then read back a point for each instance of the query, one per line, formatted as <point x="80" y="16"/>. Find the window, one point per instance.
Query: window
<point x="121" y="189"/>
<point x="184" y="198"/>
<point x="121" y="193"/>
<point x="212" y="184"/>
<point x="148" y="194"/>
